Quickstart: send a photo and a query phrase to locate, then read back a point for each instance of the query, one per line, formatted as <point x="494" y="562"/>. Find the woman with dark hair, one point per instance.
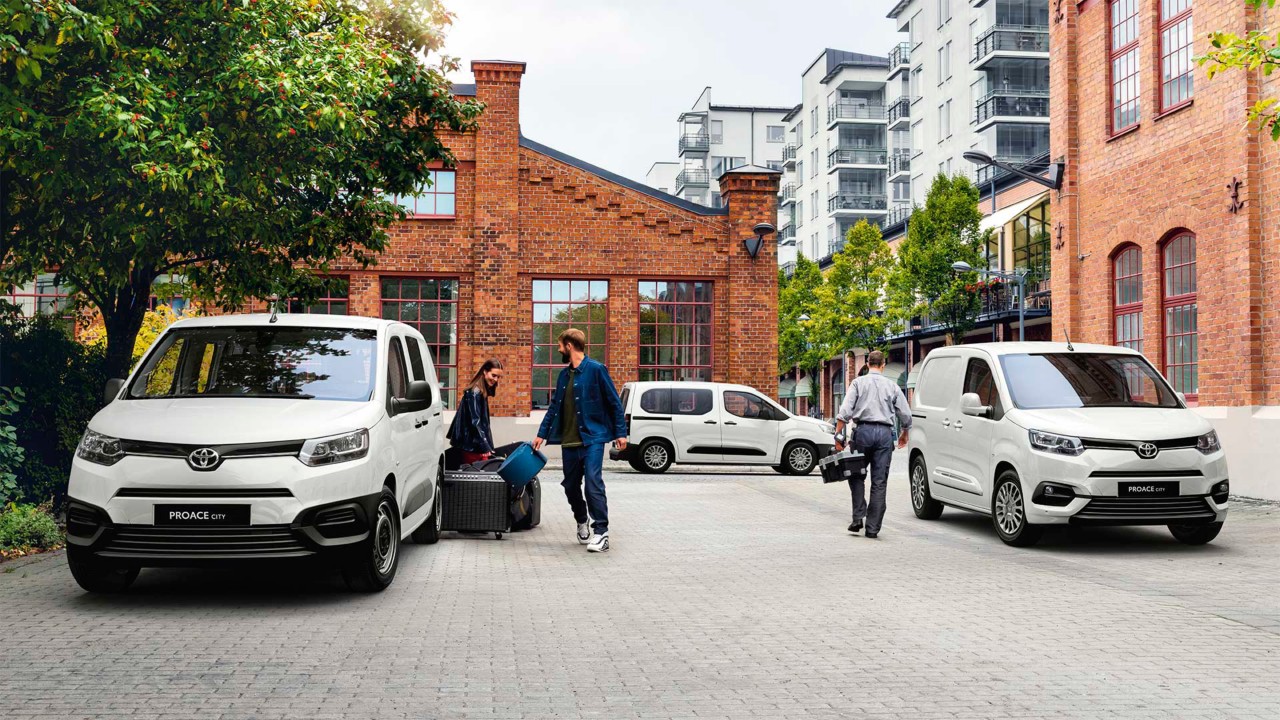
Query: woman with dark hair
<point x="470" y="433"/>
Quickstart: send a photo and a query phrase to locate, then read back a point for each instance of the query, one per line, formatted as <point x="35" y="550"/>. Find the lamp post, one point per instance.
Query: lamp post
<point x="1020" y="278"/>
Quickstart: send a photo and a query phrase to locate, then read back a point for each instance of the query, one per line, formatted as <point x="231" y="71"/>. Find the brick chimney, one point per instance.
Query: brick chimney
<point x="751" y="194"/>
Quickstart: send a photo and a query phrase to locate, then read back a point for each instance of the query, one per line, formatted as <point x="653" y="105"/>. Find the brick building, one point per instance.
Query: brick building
<point x="1165" y="229"/>
<point x="520" y="241"/>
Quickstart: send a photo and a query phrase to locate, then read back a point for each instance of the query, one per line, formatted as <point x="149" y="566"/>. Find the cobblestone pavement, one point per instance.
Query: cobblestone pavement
<point x="728" y="594"/>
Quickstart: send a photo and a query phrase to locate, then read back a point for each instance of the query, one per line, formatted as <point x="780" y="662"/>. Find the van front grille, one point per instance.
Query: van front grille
<point x="159" y="542"/>
<point x="203" y="492"/>
<point x="1146" y="510"/>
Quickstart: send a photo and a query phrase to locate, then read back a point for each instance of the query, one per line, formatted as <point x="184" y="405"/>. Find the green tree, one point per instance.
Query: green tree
<point x="244" y="144"/>
<point x="797" y="343"/>
<point x="944" y="231"/>
<point x="850" y="310"/>
<point x="1255" y="50"/>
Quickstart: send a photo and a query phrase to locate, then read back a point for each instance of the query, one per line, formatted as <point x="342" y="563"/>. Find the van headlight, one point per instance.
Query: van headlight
<point x="1059" y="444"/>
<point x="335" y="448"/>
<point x="1208" y="443"/>
<point x="99" y="448"/>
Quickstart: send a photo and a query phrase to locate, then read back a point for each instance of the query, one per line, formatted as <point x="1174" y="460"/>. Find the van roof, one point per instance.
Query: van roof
<point x="1022" y="348"/>
<point x="692" y="383"/>
<point x="286" y="320"/>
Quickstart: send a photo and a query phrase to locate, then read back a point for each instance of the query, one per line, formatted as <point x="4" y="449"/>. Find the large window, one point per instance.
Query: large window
<point x="431" y="306"/>
<point x="1181" y="364"/>
<point x="1031" y="244"/>
<point x="1175" y="53"/>
<point x="1127" y="274"/>
<point x="557" y="306"/>
<point x="42" y="296"/>
<point x="1125" y="95"/>
<point x="437" y="200"/>
<point x="333" y="302"/>
<point x="675" y="330"/>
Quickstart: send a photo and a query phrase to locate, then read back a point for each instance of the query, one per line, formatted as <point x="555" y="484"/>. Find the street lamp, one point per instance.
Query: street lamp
<point x="961" y="266"/>
<point x="1053" y="182"/>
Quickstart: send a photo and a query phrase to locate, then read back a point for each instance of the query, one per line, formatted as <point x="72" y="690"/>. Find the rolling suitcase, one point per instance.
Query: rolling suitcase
<point x="526" y="506"/>
<point x="476" y="502"/>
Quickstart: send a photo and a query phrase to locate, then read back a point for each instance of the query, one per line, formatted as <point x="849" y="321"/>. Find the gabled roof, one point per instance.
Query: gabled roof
<point x="620" y="180"/>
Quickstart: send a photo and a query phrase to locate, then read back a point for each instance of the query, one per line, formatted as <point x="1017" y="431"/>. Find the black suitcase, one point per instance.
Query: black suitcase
<point x="526" y="506"/>
<point x="476" y="502"/>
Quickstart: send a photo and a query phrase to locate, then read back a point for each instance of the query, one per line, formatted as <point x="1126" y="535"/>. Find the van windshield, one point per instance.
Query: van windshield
<point x="271" y="362"/>
<point x="1074" y="380"/>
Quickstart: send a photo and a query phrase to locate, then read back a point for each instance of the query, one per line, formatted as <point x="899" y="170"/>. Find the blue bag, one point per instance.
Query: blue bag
<point x="522" y="465"/>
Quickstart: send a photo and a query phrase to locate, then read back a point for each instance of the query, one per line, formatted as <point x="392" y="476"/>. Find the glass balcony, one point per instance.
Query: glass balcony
<point x="852" y="202"/>
<point x="857" y="156"/>
<point x="1012" y="102"/>
<point x="787" y="235"/>
<point x="899" y="59"/>
<point x="787" y="194"/>
<point x="899" y="112"/>
<point x="847" y="111"/>
<point x="692" y="177"/>
<point x="899" y="162"/>
<point x="695" y="144"/>
<point x="1011" y="41"/>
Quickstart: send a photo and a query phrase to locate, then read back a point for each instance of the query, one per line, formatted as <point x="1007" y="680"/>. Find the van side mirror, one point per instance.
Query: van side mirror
<point x="416" y="397"/>
<point x="971" y="404"/>
<point x="111" y="390"/>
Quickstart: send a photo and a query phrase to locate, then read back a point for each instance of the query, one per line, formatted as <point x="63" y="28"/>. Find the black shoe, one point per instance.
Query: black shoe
<point x="855" y="526"/>
<point x="872" y="535"/>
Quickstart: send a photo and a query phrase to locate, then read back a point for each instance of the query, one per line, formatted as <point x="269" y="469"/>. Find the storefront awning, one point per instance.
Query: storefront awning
<point x="1004" y="216"/>
<point x="802" y="387"/>
<point x="895" y="372"/>
<point x="786" y="389"/>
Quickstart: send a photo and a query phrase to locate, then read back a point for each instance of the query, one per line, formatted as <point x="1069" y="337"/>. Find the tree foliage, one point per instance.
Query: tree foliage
<point x="850" y="312"/>
<point x="797" y="298"/>
<point x="1255" y="50"/>
<point x="242" y="143"/>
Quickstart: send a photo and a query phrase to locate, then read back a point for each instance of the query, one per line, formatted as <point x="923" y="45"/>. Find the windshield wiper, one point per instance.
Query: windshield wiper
<point x="285" y="396"/>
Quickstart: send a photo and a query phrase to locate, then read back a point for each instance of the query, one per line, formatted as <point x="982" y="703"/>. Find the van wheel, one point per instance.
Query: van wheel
<point x="1009" y="513"/>
<point x="655" y="456"/>
<point x="374" y="565"/>
<point x="98" y="576"/>
<point x="799" y="458"/>
<point x="922" y="502"/>
<point x="428" y="533"/>
<point x="1195" y="534"/>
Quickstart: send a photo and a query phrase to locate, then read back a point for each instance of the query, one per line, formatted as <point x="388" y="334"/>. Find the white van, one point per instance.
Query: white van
<point x="251" y="437"/>
<point x="1037" y="434"/>
<point x="705" y="423"/>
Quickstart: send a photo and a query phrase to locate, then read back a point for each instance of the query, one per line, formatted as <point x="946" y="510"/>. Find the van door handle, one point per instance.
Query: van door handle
<point x="731" y="423"/>
<point x="946" y="422"/>
<point x="709" y="422"/>
<point x="420" y="424"/>
<point x="959" y="425"/>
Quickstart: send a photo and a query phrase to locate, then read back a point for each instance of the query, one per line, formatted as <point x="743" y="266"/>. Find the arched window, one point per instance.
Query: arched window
<point x="1178" y="266"/>
<point x="1127" y="297"/>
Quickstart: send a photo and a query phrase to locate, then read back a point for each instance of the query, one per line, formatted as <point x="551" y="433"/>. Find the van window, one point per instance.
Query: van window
<point x="396" y="380"/>
<point x="415" y="358"/>
<point x="938" y="376"/>
<point x="626" y="394"/>
<point x="746" y="405"/>
<point x="676" y="401"/>
<point x="979" y="380"/>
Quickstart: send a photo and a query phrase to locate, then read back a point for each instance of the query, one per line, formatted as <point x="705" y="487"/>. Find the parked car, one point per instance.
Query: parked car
<point x="251" y="437"/>
<point x="1038" y="434"/>
<point x="703" y="423"/>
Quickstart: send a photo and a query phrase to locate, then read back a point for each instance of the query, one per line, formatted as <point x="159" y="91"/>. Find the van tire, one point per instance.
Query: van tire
<point x="99" y="576"/>
<point x="428" y="533"/>
<point x="922" y="502"/>
<point x="799" y="458"/>
<point x="1195" y="534"/>
<point x="655" y="456"/>
<point x="1009" y="513"/>
<point x="374" y="564"/>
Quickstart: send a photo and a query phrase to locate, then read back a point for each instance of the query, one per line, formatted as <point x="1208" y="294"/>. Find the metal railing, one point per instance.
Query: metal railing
<point x="1013" y="102"/>
<point x="899" y="109"/>
<point x="987" y="173"/>
<point x="700" y="142"/>
<point x="852" y="201"/>
<point x="786" y="234"/>
<point x="788" y="191"/>
<point x="997" y="301"/>
<point x="788" y="268"/>
<point x="898" y="214"/>
<point x="1011" y="38"/>
<point x="855" y="111"/>
<point x="899" y="162"/>
<point x="900" y="55"/>
<point x="691" y="177"/>
<point x="858" y="156"/>
<point x="789" y="152"/>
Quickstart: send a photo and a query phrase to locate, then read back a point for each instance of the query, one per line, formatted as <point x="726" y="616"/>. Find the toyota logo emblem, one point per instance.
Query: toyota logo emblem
<point x="203" y="459"/>
<point x="1147" y="450"/>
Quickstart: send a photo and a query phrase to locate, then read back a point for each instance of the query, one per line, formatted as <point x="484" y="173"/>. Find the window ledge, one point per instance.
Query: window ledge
<point x="1124" y="132"/>
<point x="432" y="217"/>
<point x="1174" y="109"/>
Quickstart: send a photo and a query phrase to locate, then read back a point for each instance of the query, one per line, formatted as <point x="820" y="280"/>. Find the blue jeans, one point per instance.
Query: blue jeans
<point x="586" y="462"/>
<point x="876" y="443"/>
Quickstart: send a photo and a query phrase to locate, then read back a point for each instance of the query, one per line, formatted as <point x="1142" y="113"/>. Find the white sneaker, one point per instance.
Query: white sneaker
<point x="584" y="533"/>
<point x="599" y="543"/>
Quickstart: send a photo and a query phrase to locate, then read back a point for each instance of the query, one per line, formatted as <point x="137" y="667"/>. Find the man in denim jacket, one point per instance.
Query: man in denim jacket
<point x="585" y="414"/>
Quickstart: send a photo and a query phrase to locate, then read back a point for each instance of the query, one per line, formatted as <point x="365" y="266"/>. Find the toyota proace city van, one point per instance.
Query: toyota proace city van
<point x="1037" y="434"/>
<point x="252" y="437"/>
<point x="716" y="423"/>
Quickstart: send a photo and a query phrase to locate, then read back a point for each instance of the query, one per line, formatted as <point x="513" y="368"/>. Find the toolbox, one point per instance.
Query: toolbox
<point x="844" y="465"/>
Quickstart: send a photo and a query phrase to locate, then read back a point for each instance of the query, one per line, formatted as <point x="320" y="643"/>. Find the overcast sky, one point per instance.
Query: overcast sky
<point x="607" y="78"/>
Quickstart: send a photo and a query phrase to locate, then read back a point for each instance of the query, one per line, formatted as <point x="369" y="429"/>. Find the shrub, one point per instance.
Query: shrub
<point x="11" y="452"/>
<point x="28" y="526"/>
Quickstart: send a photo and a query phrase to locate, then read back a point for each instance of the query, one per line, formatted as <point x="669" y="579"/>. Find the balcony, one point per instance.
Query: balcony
<point x="787" y="194"/>
<point x="850" y="158"/>
<point x="899" y="113"/>
<point x="787" y="268"/>
<point x="789" y="153"/>
<point x="787" y="235"/>
<point x="899" y="59"/>
<point x="857" y="204"/>
<point x="692" y="178"/>
<point x="847" y="112"/>
<point x="997" y="302"/>
<point x="899" y="164"/>
<point x="989" y="173"/>
<point x="898" y="214"/>
<point x="696" y="144"/>
<point x="1011" y="41"/>
<point x="1012" y="104"/>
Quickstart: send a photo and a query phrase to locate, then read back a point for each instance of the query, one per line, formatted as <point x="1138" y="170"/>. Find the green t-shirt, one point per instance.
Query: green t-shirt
<point x="569" y="436"/>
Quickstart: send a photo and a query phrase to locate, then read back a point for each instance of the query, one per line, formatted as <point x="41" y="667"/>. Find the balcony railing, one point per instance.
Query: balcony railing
<point x="855" y="111"/>
<point x="787" y="234"/>
<point x="692" y="177"/>
<point x="1012" y="102"/>
<point x="899" y="109"/>
<point x="900" y="56"/>
<point x="788" y="192"/>
<point x="858" y="156"/>
<point x="996" y="302"/>
<point x="700" y="142"/>
<point x="789" y="152"/>
<point x="898" y="214"/>
<point x="1012" y="38"/>
<point x="788" y="268"/>
<point x="987" y="173"/>
<point x="853" y="201"/>
<point x="899" y="162"/>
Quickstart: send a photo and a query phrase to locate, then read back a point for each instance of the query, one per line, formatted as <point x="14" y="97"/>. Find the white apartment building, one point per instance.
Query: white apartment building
<point x="836" y="159"/>
<point x="974" y="74"/>
<point x="714" y="139"/>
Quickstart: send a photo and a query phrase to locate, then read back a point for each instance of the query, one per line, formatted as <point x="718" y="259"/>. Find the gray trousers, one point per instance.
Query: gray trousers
<point x="876" y="443"/>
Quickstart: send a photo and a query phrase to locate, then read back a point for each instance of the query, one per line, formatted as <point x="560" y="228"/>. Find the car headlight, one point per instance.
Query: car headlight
<point x="1208" y="443"/>
<point x="335" y="448"/>
<point x="829" y="429"/>
<point x="1059" y="444"/>
<point x="98" y="448"/>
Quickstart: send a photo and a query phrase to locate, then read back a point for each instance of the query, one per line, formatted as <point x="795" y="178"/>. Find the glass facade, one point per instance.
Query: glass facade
<point x="1031" y="244"/>
<point x="557" y="306"/>
<point x="675" y="329"/>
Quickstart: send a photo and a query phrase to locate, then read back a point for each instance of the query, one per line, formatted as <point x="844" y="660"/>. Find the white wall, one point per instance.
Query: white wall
<point x="1248" y="435"/>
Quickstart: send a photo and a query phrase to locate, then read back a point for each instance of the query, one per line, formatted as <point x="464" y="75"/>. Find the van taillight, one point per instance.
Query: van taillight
<point x="627" y="417"/>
